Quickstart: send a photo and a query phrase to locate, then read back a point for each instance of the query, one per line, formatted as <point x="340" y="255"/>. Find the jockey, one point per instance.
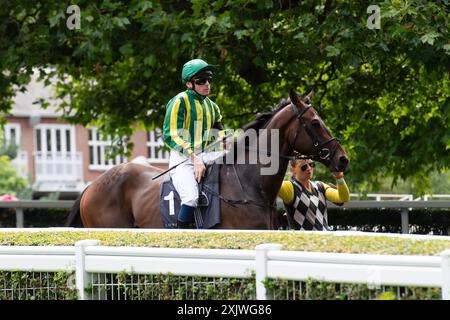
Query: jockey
<point x="189" y="120"/>
<point x="305" y="200"/>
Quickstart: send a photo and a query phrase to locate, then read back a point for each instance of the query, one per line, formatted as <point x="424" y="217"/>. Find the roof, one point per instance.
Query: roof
<point x="24" y="103"/>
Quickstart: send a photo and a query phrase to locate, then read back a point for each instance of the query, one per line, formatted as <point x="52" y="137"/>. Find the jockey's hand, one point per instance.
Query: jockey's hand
<point x="338" y="175"/>
<point x="199" y="167"/>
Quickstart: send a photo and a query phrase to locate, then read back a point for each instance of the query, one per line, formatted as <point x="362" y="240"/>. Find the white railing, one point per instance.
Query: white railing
<point x="266" y="261"/>
<point x="58" y="166"/>
<point x="429" y="197"/>
<point x="383" y="196"/>
<point x="398" y="196"/>
<point x="154" y="144"/>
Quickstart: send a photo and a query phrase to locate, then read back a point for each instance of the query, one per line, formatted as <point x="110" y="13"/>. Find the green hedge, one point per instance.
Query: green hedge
<point x="372" y="220"/>
<point x="34" y="218"/>
<point x="125" y="286"/>
<point x="430" y="221"/>
<point x="20" y="285"/>
<point x="289" y="240"/>
<point x="280" y="289"/>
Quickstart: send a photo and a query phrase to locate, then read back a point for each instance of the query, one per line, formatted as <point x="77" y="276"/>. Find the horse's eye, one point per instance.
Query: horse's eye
<point x="315" y="123"/>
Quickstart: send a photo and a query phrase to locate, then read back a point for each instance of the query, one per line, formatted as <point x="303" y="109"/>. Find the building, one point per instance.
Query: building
<point x="61" y="157"/>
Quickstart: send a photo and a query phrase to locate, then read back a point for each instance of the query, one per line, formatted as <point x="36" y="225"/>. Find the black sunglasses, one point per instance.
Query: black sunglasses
<point x="305" y="166"/>
<point x="202" y="80"/>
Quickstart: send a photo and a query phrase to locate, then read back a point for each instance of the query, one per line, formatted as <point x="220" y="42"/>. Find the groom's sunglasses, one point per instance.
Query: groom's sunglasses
<point x="305" y="166"/>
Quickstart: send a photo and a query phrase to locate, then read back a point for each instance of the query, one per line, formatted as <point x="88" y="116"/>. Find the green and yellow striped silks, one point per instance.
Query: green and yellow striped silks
<point x="189" y="120"/>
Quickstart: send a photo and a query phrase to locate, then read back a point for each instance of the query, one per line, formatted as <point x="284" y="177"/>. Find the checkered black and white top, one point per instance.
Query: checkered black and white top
<point x="309" y="208"/>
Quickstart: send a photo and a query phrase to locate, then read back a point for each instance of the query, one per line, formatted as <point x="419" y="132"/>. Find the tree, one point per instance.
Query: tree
<point x="385" y="92"/>
<point x="10" y="181"/>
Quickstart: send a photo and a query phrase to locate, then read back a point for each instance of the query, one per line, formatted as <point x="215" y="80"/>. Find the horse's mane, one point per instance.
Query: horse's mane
<point x="259" y="122"/>
<point x="261" y="119"/>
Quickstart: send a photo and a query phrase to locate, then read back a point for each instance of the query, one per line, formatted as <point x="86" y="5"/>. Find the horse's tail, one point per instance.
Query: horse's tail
<point x="74" y="218"/>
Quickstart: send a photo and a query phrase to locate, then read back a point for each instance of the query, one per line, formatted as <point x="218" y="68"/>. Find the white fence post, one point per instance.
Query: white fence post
<point x="405" y="220"/>
<point x="82" y="277"/>
<point x="19" y="218"/>
<point x="445" y="267"/>
<point x="261" y="267"/>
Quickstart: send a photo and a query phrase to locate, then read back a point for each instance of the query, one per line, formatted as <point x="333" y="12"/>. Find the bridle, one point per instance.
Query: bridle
<point x="320" y="152"/>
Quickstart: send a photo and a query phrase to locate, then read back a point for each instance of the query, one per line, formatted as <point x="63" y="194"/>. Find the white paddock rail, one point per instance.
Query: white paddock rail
<point x="266" y="261"/>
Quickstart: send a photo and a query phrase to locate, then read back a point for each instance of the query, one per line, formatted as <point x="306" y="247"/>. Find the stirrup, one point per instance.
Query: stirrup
<point x="203" y="200"/>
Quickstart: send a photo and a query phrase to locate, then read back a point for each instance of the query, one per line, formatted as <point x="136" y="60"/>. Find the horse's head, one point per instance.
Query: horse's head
<point x="309" y="136"/>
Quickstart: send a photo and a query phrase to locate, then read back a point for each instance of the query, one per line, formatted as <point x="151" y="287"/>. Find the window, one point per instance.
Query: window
<point x="55" y="156"/>
<point x="155" y="146"/>
<point x="12" y="133"/>
<point x="11" y="142"/>
<point x="54" y="139"/>
<point x="98" y="152"/>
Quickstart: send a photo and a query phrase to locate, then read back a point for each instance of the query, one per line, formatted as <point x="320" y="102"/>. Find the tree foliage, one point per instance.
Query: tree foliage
<point x="385" y="92"/>
<point x="11" y="182"/>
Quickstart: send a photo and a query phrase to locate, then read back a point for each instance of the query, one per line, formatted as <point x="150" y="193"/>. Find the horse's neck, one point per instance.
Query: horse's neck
<point x="253" y="178"/>
<point x="271" y="183"/>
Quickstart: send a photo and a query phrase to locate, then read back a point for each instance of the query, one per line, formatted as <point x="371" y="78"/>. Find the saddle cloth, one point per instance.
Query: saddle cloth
<point x="205" y="216"/>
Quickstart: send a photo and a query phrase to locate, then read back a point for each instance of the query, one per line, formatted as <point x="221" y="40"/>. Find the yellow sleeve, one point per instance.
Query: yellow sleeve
<point x="217" y="113"/>
<point x="341" y="195"/>
<point x="286" y="192"/>
<point x="173" y="126"/>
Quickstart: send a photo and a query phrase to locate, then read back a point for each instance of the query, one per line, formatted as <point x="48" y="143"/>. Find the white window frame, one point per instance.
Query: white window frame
<point x="7" y="132"/>
<point x="54" y="127"/>
<point x="153" y="143"/>
<point x="54" y="164"/>
<point x="21" y="160"/>
<point x="100" y="163"/>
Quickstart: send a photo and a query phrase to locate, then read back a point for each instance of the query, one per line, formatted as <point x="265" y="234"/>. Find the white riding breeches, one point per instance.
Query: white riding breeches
<point x="183" y="176"/>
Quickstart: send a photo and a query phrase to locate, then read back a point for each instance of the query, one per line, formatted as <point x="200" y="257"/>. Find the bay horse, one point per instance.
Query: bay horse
<point x="125" y="196"/>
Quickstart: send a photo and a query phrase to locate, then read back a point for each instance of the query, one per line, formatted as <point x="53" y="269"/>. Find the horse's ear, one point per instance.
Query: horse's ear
<point x="310" y="95"/>
<point x="307" y="98"/>
<point x="295" y="98"/>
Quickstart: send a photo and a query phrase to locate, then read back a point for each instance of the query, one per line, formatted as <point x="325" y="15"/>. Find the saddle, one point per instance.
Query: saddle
<point x="207" y="213"/>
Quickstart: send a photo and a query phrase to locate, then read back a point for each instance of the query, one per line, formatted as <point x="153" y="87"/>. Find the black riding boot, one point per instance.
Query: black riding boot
<point x="187" y="214"/>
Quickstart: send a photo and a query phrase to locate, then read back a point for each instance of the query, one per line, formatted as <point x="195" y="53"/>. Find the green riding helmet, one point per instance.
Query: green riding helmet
<point x="191" y="68"/>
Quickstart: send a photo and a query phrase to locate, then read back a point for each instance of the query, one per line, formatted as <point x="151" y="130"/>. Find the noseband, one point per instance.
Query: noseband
<point x="320" y="152"/>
